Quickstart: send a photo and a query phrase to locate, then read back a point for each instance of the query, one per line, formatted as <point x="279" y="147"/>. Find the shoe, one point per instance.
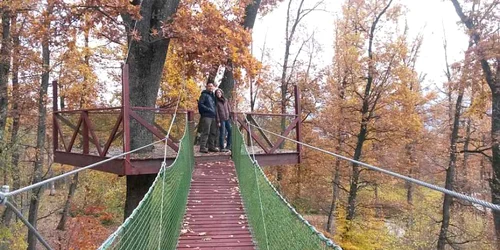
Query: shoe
<point x="225" y="150"/>
<point x="203" y="150"/>
<point x="214" y="149"/>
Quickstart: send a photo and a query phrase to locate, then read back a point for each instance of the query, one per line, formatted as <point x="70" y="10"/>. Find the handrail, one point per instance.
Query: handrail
<point x="264" y="114"/>
<point x="83" y="110"/>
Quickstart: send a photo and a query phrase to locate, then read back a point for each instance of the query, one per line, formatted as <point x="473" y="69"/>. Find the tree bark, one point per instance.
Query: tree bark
<point x="289" y="35"/>
<point x="365" y="118"/>
<point x="330" y="224"/>
<point x="450" y="172"/>
<point x="495" y="178"/>
<point x="227" y="83"/>
<point x="8" y="215"/>
<point x="146" y="59"/>
<point x="4" y="71"/>
<point x="40" y="137"/>
<point x="410" y="148"/>
<point x="493" y="81"/>
<point x="67" y="204"/>
<point x="468" y="134"/>
<point x="4" y="78"/>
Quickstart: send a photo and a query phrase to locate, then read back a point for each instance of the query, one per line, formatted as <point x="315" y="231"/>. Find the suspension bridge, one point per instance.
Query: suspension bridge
<point x="195" y="202"/>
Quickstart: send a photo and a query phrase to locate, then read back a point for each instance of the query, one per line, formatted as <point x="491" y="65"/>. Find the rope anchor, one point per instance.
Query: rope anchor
<point x="3" y="198"/>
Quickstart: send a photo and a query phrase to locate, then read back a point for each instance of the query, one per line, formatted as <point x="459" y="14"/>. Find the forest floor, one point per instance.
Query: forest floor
<point x="83" y="231"/>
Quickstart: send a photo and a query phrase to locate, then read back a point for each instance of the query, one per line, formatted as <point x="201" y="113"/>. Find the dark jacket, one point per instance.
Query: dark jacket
<point x="206" y="104"/>
<point x="223" y="109"/>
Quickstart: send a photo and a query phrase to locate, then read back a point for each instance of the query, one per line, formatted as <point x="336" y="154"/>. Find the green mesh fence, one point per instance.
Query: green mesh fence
<point x="155" y="224"/>
<point x="274" y="223"/>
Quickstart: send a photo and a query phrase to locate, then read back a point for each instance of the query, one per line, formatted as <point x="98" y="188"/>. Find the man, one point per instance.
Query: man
<point x="208" y="123"/>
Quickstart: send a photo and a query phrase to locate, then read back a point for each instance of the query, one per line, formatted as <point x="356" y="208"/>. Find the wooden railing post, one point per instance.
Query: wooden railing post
<point x="55" y="128"/>
<point x="85" y="132"/>
<point x="190" y="119"/>
<point x="126" y="116"/>
<point x="298" y="128"/>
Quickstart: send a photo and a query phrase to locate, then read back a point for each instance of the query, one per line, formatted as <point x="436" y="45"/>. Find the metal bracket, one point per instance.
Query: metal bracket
<point x="3" y="191"/>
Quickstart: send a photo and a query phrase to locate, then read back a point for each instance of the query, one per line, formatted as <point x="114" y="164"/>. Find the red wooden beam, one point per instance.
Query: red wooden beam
<point x="285" y="133"/>
<point x="162" y="130"/>
<point x="264" y="114"/>
<point x="75" y="133"/>
<point x="153" y="130"/>
<point x="277" y="159"/>
<point x="80" y="110"/>
<point x="298" y="113"/>
<point x="90" y="128"/>
<point x="113" y="135"/>
<point x="85" y="133"/>
<point x="80" y="160"/>
<point x="252" y="120"/>
<point x="59" y="131"/>
<point x="55" y="127"/>
<point x="254" y="136"/>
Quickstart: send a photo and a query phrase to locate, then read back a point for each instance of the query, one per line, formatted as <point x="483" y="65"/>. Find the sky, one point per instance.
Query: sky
<point x="429" y="17"/>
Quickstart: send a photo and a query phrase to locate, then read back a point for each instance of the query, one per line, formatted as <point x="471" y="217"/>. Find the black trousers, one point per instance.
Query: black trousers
<point x="208" y="129"/>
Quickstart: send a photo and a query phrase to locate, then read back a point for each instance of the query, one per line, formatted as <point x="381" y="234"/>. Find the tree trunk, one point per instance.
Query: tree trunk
<point x="284" y="83"/>
<point x="353" y="187"/>
<point x="4" y="72"/>
<point x="298" y="184"/>
<point x="450" y="172"/>
<point x="8" y="215"/>
<point x="40" y="137"/>
<point x="4" y="78"/>
<point x="67" y="204"/>
<point x="227" y="83"/>
<point x="468" y="134"/>
<point x="493" y="81"/>
<point x="495" y="178"/>
<point x="411" y="159"/>
<point x="330" y="224"/>
<point x="137" y="187"/>
<point x="365" y="118"/>
<point x="146" y="60"/>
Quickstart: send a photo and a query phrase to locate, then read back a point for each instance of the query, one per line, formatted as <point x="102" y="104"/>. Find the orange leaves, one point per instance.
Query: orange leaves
<point x="86" y="232"/>
<point x="209" y="34"/>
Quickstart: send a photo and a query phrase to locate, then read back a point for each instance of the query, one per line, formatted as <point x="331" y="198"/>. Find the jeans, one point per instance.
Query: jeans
<point x="225" y="126"/>
<point x="208" y="129"/>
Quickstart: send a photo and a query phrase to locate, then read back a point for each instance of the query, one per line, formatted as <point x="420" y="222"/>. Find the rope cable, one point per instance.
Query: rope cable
<point x="255" y="166"/>
<point x="394" y="174"/>
<point x="164" y="163"/>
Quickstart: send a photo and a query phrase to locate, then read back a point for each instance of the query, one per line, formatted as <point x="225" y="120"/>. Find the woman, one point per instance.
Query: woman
<point x="223" y="120"/>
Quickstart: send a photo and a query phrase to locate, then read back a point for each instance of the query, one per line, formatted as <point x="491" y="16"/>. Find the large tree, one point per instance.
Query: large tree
<point x="481" y="22"/>
<point x="251" y="10"/>
<point x="5" y="58"/>
<point x="370" y="98"/>
<point x="41" y="121"/>
<point x="146" y="58"/>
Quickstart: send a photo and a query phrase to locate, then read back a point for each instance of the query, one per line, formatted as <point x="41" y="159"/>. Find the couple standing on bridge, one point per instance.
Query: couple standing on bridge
<point x="215" y="113"/>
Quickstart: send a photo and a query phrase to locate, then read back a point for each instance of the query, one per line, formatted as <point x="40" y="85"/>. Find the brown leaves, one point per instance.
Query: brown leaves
<point x="209" y="35"/>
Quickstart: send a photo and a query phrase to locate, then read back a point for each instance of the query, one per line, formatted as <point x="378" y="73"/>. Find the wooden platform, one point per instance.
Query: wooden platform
<point x="215" y="218"/>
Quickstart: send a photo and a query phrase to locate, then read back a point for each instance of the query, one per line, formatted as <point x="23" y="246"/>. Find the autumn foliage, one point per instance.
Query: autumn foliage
<point x="370" y="102"/>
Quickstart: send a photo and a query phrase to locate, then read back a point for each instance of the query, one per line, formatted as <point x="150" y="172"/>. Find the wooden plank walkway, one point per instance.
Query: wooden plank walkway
<point x="215" y="218"/>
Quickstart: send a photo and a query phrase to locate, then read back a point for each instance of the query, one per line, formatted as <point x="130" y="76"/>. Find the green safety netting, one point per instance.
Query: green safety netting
<point x="274" y="223"/>
<point x="155" y="224"/>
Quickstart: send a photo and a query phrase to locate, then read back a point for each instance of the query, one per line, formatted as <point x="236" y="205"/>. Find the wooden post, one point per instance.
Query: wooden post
<point x="85" y="132"/>
<point x="55" y="128"/>
<point x="126" y="117"/>
<point x="298" y="129"/>
<point x="190" y="119"/>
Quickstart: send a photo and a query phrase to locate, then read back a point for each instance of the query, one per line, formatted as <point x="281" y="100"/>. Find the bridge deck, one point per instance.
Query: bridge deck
<point x="215" y="218"/>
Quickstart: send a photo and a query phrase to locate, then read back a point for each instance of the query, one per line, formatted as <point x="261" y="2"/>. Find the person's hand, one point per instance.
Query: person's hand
<point x="218" y="124"/>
